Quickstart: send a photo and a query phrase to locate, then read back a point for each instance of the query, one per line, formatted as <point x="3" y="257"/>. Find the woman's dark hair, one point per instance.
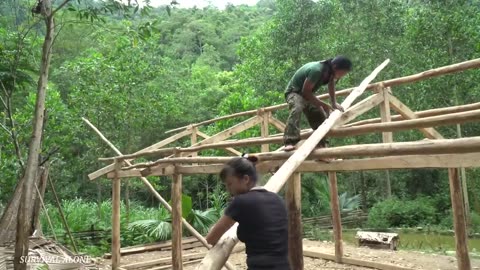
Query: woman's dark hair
<point x="342" y="63"/>
<point x="240" y="166"/>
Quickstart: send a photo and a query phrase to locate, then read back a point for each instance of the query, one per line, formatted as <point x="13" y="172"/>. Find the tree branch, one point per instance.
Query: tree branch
<point x="60" y="7"/>
<point x="6" y="129"/>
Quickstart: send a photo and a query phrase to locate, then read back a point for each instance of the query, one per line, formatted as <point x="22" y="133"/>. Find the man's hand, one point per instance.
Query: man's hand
<point x="339" y="107"/>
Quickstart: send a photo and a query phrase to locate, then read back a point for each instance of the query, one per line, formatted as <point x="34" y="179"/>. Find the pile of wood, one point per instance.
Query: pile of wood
<point x="187" y="243"/>
<point x="355" y="217"/>
<point x="46" y="252"/>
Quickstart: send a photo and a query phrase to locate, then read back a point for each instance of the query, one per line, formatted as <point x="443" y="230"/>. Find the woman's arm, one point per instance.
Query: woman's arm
<point x="222" y="226"/>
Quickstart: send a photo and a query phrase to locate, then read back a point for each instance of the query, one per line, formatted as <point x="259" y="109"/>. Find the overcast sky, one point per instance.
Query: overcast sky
<point x="202" y="3"/>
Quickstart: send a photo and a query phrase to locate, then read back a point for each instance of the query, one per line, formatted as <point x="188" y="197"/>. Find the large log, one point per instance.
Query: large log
<point x="475" y="63"/>
<point x="214" y="259"/>
<point x="149" y="186"/>
<point x="445" y="146"/>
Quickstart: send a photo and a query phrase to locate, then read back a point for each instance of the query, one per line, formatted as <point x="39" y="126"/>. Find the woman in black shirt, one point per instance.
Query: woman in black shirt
<point x="261" y="215"/>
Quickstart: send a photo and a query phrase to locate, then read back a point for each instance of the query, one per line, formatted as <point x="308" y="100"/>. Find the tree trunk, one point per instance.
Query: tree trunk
<point x="24" y="228"/>
<point x="41" y="185"/>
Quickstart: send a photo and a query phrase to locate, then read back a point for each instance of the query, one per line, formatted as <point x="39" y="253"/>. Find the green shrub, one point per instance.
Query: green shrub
<point x="397" y="213"/>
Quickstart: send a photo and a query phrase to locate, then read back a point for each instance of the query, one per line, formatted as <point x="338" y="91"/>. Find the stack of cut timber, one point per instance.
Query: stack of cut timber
<point x="187" y="243"/>
<point x="378" y="239"/>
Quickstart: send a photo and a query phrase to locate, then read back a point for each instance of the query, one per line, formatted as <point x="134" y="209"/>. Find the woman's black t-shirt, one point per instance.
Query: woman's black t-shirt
<point x="263" y="227"/>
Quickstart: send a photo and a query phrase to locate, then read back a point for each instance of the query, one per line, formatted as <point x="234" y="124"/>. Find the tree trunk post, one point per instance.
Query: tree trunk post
<point x="295" y="230"/>
<point x="336" y="218"/>
<point x="460" y="226"/>
<point x="177" y="222"/>
<point x="264" y="130"/>
<point x="387" y="137"/>
<point x="116" y="194"/>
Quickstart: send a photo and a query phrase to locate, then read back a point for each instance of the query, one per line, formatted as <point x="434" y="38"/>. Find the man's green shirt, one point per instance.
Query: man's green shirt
<point x="316" y="72"/>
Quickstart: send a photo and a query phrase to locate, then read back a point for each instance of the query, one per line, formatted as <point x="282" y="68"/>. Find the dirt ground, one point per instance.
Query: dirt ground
<point x="409" y="259"/>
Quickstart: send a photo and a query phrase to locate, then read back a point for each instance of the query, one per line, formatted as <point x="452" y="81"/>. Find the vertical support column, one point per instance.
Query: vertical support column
<point x="264" y="130"/>
<point x="336" y="218"/>
<point x="387" y="137"/>
<point x="193" y="139"/>
<point x="295" y="229"/>
<point x="463" y="175"/>
<point x="460" y="226"/>
<point x="177" y="262"/>
<point x="116" y="216"/>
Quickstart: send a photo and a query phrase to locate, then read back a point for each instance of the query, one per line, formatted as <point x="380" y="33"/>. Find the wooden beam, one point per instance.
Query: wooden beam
<point x="293" y="197"/>
<point x="353" y="261"/>
<point x="177" y="222"/>
<point x="264" y="130"/>
<point x="407" y="113"/>
<point x="116" y="189"/>
<point x="471" y="64"/>
<point x="336" y="219"/>
<point x="152" y="190"/>
<point x="459" y="221"/>
<point x="468" y="160"/>
<point x="109" y="168"/>
<point x="360" y="108"/>
<point x="385" y="114"/>
<point x="420" y="114"/>
<point x="193" y="139"/>
<point x="215" y="138"/>
<point x="421" y="123"/>
<point x="212" y="261"/>
<point x="231" y="150"/>
<point x="277" y="124"/>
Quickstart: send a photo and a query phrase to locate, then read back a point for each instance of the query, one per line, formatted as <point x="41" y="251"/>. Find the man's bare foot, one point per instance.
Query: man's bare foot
<point x="289" y="148"/>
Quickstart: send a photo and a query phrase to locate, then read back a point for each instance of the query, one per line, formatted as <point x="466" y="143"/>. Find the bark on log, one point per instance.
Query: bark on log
<point x="220" y="252"/>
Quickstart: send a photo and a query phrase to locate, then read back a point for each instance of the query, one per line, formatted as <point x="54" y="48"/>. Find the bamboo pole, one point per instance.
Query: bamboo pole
<point x="421" y="114"/>
<point x="214" y="260"/>
<point x="445" y="146"/>
<point x="116" y="217"/>
<point x="152" y="190"/>
<point x="293" y="198"/>
<point x="475" y="63"/>
<point x="460" y="226"/>
<point x="336" y="218"/>
<point x="177" y="222"/>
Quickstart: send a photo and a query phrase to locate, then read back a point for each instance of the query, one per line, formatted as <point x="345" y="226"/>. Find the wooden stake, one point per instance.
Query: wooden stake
<point x="264" y="130"/>
<point x="293" y="198"/>
<point x="460" y="226"/>
<point x="336" y="218"/>
<point x="177" y="222"/>
<point x="214" y="259"/>
<point x="193" y="139"/>
<point x="152" y="190"/>
<point x="116" y="188"/>
<point x="387" y="137"/>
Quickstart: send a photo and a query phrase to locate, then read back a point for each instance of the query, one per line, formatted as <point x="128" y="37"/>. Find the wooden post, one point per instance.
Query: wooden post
<point x="177" y="222"/>
<point x="116" y="217"/>
<point x="463" y="175"/>
<point x="217" y="256"/>
<point x="387" y="137"/>
<point x="461" y="240"/>
<point x="264" y="130"/>
<point x="193" y="139"/>
<point x="336" y="218"/>
<point x="293" y="197"/>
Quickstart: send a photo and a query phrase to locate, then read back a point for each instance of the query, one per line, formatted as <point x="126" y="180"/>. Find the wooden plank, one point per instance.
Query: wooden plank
<point x="109" y="168"/>
<point x="459" y="221"/>
<point x="376" y="265"/>
<point x="116" y="187"/>
<point x="360" y="108"/>
<point x="219" y="253"/>
<point x="293" y="197"/>
<point x="336" y="219"/>
<point x="177" y="222"/>
<point x="277" y="124"/>
<point x="264" y="130"/>
<point x="407" y="113"/>
<point x="231" y="150"/>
